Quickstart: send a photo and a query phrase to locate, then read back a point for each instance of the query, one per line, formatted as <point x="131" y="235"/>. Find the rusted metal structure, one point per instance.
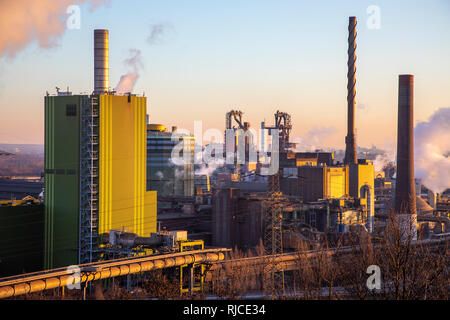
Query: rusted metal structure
<point x="284" y="126"/>
<point x="238" y="141"/>
<point x="350" y="139"/>
<point x="237" y="218"/>
<point x="237" y="116"/>
<point x="283" y="123"/>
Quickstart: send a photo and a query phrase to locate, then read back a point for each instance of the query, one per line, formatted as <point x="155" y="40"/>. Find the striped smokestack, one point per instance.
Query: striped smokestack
<point x="101" y="61"/>
<point x="350" y="140"/>
<point x="405" y="194"/>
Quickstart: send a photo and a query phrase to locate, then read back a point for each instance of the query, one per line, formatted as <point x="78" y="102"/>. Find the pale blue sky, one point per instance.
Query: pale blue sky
<point x="254" y="55"/>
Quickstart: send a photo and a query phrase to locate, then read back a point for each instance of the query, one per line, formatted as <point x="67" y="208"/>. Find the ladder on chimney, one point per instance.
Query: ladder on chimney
<point x="88" y="219"/>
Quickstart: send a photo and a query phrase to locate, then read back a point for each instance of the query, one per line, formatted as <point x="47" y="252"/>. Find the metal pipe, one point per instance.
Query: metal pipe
<point x="292" y="258"/>
<point x="148" y="241"/>
<point x="101" y="61"/>
<point x="128" y="239"/>
<point x="350" y="139"/>
<point x="108" y="269"/>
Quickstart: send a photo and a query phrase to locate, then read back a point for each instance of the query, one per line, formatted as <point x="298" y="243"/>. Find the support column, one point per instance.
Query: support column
<point x="191" y="279"/>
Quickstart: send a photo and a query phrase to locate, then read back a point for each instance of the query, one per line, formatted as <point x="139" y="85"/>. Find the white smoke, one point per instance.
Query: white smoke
<point x="134" y="62"/>
<point x="25" y="21"/>
<point x="382" y="160"/>
<point x="128" y="81"/>
<point x="179" y="173"/>
<point x="157" y="31"/>
<point x="388" y="156"/>
<point x="314" y="139"/>
<point x="209" y="165"/>
<point x="159" y="175"/>
<point x="207" y="169"/>
<point x="432" y="151"/>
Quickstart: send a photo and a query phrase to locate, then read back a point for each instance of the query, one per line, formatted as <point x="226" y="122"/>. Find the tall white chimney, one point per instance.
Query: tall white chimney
<point x="101" y="61"/>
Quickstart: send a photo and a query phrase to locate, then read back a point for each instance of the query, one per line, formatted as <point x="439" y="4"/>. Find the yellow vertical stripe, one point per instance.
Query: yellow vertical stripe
<point x="110" y="162"/>
<point x="139" y="138"/>
<point x="107" y="159"/>
<point x="138" y="108"/>
<point x="102" y="168"/>
<point x="140" y="168"/>
<point x="123" y="195"/>
<point x="143" y="178"/>
<point x="135" y="218"/>
<point x="104" y="133"/>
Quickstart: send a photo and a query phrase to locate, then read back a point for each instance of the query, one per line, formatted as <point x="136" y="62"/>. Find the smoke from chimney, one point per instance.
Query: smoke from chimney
<point x="127" y="81"/>
<point x="157" y="32"/>
<point x="314" y="139"/>
<point x="432" y="151"/>
<point x="27" y="21"/>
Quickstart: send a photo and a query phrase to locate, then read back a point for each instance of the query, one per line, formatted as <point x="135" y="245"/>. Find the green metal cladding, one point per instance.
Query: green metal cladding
<point x="62" y="132"/>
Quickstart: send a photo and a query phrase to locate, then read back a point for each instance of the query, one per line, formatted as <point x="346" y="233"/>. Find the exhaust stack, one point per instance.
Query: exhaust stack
<point x="405" y="194"/>
<point x="101" y="61"/>
<point x="350" y="140"/>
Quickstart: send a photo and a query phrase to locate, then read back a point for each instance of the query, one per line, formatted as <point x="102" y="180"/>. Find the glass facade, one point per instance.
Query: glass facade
<point x="163" y="175"/>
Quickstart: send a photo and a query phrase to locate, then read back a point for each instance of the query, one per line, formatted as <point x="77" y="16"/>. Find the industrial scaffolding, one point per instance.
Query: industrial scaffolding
<point x="273" y="234"/>
<point x="88" y="225"/>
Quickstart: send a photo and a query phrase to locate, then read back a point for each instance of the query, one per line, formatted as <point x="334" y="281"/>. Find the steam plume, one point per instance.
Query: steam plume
<point x="208" y="169"/>
<point x="25" y="21"/>
<point x="156" y="32"/>
<point x="127" y="81"/>
<point x="208" y="166"/>
<point x="314" y="139"/>
<point x="432" y="151"/>
<point x="388" y="156"/>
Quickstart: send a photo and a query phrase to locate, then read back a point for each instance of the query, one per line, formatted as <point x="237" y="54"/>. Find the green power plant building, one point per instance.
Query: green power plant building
<point x="95" y="168"/>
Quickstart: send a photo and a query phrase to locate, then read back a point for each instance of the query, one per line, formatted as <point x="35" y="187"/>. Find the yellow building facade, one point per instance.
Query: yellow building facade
<point x="362" y="186"/>
<point x="335" y="183"/>
<point x="323" y="182"/>
<point x="124" y="203"/>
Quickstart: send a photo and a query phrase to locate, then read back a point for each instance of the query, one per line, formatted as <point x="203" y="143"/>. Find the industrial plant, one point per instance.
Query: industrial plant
<point x="115" y="205"/>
